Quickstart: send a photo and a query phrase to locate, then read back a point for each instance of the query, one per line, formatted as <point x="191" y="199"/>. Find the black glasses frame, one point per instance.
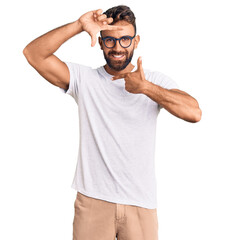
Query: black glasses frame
<point x="117" y="39"/>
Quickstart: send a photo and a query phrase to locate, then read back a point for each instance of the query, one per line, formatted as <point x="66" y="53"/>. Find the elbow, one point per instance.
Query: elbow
<point x="29" y="55"/>
<point x="198" y="112"/>
<point x="25" y="53"/>
<point x="198" y="115"/>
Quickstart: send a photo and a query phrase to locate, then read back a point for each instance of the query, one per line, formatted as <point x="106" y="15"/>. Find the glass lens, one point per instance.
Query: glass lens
<point x="125" y="41"/>
<point x="109" y="42"/>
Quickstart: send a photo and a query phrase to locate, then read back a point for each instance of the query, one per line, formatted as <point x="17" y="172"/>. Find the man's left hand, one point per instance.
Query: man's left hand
<point x="134" y="81"/>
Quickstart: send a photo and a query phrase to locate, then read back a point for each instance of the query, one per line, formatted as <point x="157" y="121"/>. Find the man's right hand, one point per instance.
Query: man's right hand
<point x="39" y="52"/>
<point x="94" y="21"/>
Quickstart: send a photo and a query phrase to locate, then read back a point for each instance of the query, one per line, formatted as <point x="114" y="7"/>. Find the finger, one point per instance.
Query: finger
<point x="119" y="76"/>
<point x="111" y="27"/>
<point x="105" y="21"/>
<point x="139" y="63"/>
<point x="108" y="20"/>
<point x="115" y="78"/>
<point x="140" y="68"/>
<point x="93" y="40"/>
<point x="102" y="17"/>
<point x="99" y="11"/>
<point x="95" y="17"/>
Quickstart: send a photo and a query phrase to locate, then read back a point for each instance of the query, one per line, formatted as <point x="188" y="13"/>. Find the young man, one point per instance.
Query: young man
<point x="118" y="107"/>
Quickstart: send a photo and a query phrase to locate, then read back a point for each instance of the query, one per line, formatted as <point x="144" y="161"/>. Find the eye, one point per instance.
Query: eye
<point x="109" y="40"/>
<point x="125" y="38"/>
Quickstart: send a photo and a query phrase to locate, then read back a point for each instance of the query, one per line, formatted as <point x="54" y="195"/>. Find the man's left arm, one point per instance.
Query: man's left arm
<point x="175" y="101"/>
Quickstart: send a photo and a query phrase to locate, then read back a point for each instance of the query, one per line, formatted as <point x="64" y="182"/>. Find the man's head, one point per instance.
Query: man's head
<point x="122" y="16"/>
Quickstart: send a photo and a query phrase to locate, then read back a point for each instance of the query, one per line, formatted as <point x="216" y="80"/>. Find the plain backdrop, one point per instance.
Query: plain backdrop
<point x="39" y="129"/>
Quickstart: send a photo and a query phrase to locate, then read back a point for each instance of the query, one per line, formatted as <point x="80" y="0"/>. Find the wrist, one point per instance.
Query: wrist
<point x="145" y="86"/>
<point x="79" y="25"/>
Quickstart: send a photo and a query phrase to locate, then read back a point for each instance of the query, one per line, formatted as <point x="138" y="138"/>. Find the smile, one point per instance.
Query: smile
<point x="118" y="57"/>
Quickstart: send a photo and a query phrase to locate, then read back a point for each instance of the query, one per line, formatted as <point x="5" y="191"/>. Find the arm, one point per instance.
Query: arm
<point x="39" y="52"/>
<point x="177" y="102"/>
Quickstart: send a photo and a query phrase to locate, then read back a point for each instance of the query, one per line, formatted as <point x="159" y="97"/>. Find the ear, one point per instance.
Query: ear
<point x="136" y="41"/>
<point x="100" y="42"/>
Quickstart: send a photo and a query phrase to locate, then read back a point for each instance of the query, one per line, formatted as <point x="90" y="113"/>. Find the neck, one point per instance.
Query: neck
<point x="109" y="70"/>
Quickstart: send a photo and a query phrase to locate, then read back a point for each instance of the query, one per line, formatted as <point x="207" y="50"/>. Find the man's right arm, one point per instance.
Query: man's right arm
<point x="39" y="54"/>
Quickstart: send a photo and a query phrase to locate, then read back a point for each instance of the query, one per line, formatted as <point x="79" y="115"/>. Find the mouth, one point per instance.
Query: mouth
<point x="118" y="57"/>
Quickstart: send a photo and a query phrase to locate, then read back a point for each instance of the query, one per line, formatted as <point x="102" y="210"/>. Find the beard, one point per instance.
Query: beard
<point x="118" y="65"/>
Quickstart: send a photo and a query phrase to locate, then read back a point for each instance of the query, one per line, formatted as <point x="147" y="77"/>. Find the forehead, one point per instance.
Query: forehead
<point x="128" y="29"/>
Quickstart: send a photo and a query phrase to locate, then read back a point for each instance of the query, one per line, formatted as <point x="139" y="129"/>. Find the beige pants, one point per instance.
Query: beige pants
<point x="96" y="219"/>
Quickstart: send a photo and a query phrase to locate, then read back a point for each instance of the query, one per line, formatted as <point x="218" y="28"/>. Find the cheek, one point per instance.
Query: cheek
<point x="131" y="50"/>
<point x="106" y="52"/>
<point x="105" y="49"/>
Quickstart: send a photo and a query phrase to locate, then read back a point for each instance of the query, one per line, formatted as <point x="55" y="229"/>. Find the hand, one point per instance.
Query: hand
<point x="134" y="81"/>
<point x="93" y="22"/>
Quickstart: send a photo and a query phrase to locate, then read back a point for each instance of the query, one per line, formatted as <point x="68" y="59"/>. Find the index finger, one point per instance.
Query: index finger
<point x="111" y="27"/>
<point x="119" y="76"/>
<point x="98" y="11"/>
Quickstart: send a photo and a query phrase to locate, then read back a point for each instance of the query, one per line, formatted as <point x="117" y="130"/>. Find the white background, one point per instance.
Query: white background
<point x="39" y="131"/>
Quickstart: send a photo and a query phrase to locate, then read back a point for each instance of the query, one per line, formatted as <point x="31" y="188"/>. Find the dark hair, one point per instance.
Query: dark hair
<point x="119" y="13"/>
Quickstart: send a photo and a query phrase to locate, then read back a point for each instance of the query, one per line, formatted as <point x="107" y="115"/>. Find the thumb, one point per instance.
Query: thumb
<point x="140" y="68"/>
<point x="139" y="63"/>
<point x="93" y="40"/>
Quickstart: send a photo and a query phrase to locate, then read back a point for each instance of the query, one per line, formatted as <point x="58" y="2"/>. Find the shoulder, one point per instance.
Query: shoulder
<point x="153" y="74"/>
<point x="77" y="66"/>
<point x="80" y="70"/>
<point x="161" y="79"/>
<point x="156" y="76"/>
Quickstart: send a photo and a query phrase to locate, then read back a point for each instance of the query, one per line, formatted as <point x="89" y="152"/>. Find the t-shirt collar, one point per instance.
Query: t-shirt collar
<point x="109" y="75"/>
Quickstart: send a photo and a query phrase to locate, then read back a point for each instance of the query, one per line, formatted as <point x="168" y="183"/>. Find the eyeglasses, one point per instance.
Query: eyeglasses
<point x="124" y="41"/>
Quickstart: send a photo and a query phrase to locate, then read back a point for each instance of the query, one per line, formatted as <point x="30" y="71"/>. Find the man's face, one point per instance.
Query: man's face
<point x="111" y="55"/>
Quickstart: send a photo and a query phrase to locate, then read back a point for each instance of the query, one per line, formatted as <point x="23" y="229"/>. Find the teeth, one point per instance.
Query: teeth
<point x="117" y="56"/>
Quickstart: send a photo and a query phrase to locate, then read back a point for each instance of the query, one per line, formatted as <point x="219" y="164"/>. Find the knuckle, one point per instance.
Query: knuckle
<point x="102" y="17"/>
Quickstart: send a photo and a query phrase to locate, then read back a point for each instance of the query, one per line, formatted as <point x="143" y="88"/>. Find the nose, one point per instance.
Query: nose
<point x="118" y="47"/>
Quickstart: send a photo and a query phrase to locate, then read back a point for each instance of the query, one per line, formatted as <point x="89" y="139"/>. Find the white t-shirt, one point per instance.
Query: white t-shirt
<point x="115" y="161"/>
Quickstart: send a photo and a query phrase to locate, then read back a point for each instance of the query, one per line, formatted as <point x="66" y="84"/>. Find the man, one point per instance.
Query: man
<point x="118" y="107"/>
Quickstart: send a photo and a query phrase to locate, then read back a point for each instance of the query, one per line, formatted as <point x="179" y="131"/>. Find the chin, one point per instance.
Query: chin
<point x="118" y="65"/>
<point x="117" y="68"/>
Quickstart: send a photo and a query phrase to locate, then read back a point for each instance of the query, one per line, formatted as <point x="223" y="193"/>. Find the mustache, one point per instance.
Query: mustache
<point x="117" y="53"/>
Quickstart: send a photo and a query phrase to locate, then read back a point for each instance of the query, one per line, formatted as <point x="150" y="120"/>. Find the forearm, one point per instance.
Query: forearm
<point x="47" y="44"/>
<point x="181" y="105"/>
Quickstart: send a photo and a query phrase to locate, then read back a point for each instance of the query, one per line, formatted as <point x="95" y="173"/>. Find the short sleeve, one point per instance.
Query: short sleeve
<point x="73" y="89"/>
<point x="163" y="81"/>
